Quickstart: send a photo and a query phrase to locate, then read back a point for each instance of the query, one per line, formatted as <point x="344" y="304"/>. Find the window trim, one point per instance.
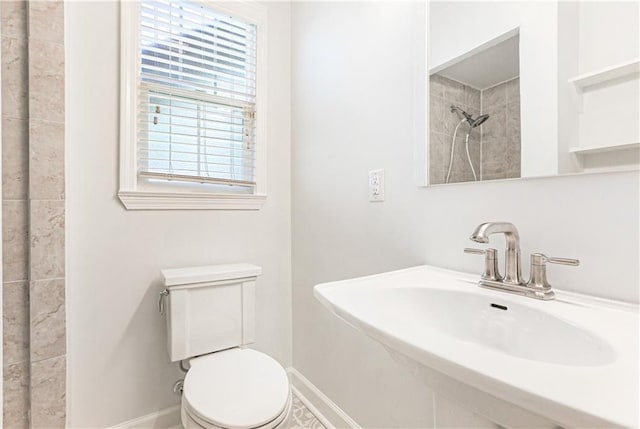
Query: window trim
<point x="137" y="193"/>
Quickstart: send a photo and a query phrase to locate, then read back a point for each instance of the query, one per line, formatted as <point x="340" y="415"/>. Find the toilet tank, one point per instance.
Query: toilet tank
<point x="209" y="308"/>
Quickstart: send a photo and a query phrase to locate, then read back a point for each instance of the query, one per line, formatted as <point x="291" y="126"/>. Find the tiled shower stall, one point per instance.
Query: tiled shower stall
<point x="494" y="147"/>
<point x="33" y="215"/>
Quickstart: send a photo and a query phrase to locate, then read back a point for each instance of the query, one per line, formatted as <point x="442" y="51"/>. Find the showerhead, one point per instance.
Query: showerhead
<point x="479" y="121"/>
<point x="472" y="122"/>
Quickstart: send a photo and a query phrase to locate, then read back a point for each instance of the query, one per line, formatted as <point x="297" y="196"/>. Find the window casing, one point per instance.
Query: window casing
<point x="192" y="105"/>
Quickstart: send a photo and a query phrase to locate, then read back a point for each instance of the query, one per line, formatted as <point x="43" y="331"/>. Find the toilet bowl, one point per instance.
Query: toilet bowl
<point x="236" y="389"/>
<point x="210" y="314"/>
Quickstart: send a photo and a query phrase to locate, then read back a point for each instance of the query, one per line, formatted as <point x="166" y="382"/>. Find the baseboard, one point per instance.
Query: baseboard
<point x="169" y="418"/>
<point x="329" y="414"/>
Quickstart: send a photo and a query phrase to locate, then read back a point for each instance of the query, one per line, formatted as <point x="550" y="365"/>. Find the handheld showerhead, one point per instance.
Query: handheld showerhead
<point x="473" y="123"/>
<point x="479" y="121"/>
<point x="456" y="108"/>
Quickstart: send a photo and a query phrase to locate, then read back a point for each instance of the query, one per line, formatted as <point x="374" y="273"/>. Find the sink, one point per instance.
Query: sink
<point x="573" y="359"/>
<point x="509" y="328"/>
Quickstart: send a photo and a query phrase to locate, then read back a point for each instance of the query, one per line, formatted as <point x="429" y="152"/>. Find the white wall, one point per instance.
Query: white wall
<point x="118" y="365"/>
<point x="593" y="36"/>
<point x="458" y="27"/>
<point x="609" y="35"/>
<point x="568" y="106"/>
<point x="352" y="112"/>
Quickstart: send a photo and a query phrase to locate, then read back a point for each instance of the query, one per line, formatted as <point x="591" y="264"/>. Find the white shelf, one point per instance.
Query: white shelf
<point x="606" y="74"/>
<point x="603" y="148"/>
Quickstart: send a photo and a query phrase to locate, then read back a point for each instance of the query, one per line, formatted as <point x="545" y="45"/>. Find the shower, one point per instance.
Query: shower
<point x="473" y="123"/>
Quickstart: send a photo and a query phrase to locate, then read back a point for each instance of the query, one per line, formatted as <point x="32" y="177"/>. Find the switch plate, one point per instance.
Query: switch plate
<point x="376" y="185"/>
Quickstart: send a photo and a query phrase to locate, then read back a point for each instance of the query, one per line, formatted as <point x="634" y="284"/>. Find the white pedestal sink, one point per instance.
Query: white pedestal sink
<point x="573" y="360"/>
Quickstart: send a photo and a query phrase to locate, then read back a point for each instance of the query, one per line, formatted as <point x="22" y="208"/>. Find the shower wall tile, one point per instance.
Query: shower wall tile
<point x="15" y="319"/>
<point x="14" y="18"/>
<point x="15" y="256"/>
<point x="15" y="409"/>
<point x="514" y="161"/>
<point x="47" y="213"/>
<point x="443" y="94"/>
<point x="46" y="20"/>
<point x="496" y="95"/>
<point x="496" y="126"/>
<point x="436" y="114"/>
<point x="48" y="393"/>
<point x="15" y="140"/>
<point x="494" y="160"/>
<point x="513" y="121"/>
<point x="436" y="85"/>
<point x="501" y="133"/>
<point x="438" y="157"/>
<point x="513" y="91"/>
<point x="472" y="98"/>
<point x="47" y="314"/>
<point x="454" y="92"/>
<point x="47" y="239"/>
<point x="46" y="80"/>
<point x="46" y="159"/>
<point x="14" y="82"/>
<point x="493" y="176"/>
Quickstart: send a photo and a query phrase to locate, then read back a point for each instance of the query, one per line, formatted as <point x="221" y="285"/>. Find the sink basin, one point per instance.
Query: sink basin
<point x="512" y="328"/>
<point x="573" y="360"/>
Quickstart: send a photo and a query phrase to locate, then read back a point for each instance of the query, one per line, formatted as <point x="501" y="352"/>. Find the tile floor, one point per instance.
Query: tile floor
<point x="302" y="418"/>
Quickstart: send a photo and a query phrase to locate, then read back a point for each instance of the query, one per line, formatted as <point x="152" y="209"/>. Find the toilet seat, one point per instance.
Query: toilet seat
<point x="191" y="421"/>
<point x="236" y="389"/>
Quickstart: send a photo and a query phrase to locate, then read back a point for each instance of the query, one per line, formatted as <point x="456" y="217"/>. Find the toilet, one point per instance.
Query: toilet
<point x="210" y="313"/>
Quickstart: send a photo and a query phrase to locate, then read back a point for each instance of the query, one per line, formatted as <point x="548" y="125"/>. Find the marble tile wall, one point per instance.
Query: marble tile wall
<point x="501" y="132"/>
<point x="34" y="320"/>
<point x="442" y="122"/>
<point x="47" y="320"/>
<point x="15" y="206"/>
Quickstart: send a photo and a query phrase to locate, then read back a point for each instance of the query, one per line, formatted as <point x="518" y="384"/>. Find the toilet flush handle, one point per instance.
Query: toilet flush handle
<point x="163" y="295"/>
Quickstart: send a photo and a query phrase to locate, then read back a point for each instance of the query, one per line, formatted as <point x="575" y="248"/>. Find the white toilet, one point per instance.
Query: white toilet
<point x="210" y="314"/>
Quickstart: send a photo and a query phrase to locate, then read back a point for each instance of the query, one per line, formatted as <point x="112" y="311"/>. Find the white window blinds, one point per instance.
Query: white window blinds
<point x="197" y="95"/>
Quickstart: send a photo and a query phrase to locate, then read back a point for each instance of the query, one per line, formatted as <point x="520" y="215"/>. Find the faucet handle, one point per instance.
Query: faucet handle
<point x="475" y="251"/>
<point x="540" y="259"/>
<point x="490" y="263"/>
<point x="538" y="280"/>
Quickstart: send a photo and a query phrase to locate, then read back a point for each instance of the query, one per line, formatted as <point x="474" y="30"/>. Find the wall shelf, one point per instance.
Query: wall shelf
<point x="603" y="148"/>
<point x="606" y="74"/>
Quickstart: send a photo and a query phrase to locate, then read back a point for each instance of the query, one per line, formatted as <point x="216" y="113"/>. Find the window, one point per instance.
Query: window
<point x="192" y="118"/>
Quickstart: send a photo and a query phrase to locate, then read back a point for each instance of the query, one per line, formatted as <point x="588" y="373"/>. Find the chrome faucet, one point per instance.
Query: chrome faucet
<point x="537" y="287"/>
<point x="513" y="273"/>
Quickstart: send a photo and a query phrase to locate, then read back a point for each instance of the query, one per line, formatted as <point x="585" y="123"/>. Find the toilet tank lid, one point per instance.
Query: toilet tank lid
<point x="209" y="273"/>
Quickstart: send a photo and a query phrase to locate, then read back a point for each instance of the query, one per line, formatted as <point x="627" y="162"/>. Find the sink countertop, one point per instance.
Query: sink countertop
<point x="594" y="394"/>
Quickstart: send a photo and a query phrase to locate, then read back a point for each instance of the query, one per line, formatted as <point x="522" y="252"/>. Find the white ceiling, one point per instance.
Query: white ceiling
<point x="488" y="67"/>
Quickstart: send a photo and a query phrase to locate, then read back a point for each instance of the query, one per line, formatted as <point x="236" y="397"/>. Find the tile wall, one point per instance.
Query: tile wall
<point x="15" y="195"/>
<point x="445" y="93"/>
<point x="494" y="147"/>
<point x="501" y="132"/>
<point x="34" y="323"/>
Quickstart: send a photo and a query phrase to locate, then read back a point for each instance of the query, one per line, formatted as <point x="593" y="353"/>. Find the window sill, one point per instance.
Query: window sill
<point x="190" y="201"/>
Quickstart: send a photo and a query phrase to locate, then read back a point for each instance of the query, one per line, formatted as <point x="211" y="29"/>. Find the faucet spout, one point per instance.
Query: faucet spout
<point x="512" y="255"/>
<point x="484" y="230"/>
